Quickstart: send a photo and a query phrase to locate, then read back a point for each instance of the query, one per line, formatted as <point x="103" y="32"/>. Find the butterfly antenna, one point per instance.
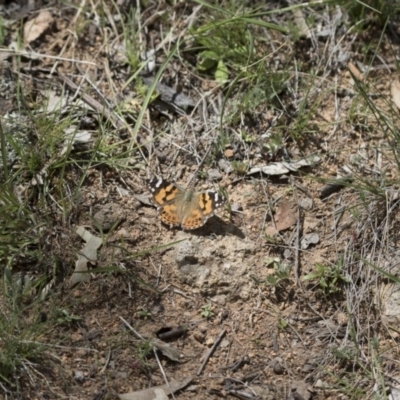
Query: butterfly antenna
<point x="199" y="166"/>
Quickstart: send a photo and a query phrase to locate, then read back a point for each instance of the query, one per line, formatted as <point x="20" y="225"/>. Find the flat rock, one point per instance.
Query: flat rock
<point x="110" y="215"/>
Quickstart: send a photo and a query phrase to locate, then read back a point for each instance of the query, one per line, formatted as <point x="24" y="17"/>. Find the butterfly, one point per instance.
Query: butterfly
<point x="183" y="207"/>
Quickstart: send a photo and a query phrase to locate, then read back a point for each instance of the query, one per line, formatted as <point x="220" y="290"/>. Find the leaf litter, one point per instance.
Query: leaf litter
<point x="34" y="28"/>
<point x="157" y="392"/>
<point x="87" y="256"/>
<point x="285" y="217"/>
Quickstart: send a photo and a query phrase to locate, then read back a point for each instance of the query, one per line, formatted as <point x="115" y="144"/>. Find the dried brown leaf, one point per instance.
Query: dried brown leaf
<point x="157" y="392"/>
<point x="280" y="168"/>
<point x="169" y="351"/>
<point x="355" y="71"/>
<point x="88" y="254"/>
<point x="36" y="26"/>
<point x="285" y="217"/>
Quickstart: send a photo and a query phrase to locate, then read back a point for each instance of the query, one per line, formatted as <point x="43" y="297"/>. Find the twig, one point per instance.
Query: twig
<point x="4" y="389"/>
<point x="268" y="202"/>
<point x="131" y="328"/>
<point x="59" y="346"/>
<point x="107" y="362"/>
<point x="297" y="248"/>
<point x="163" y="373"/>
<point x="155" y="352"/>
<point x="211" y="351"/>
<point x="33" y="55"/>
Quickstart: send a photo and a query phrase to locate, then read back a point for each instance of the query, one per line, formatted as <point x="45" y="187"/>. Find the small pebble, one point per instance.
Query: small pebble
<point x="79" y="376"/>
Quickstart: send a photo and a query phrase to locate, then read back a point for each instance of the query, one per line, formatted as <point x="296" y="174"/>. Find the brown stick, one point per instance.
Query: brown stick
<point x="211" y="351"/>
<point x="297" y="248"/>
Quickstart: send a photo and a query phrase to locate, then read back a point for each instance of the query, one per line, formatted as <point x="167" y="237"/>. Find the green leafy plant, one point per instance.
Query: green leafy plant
<point x="345" y="355"/>
<point x="240" y="167"/>
<point x="145" y="314"/>
<point x="281" y="272"/>
<point x="273" y="144"/>
<point x="131" y="41"/>
<point x="202" y="174"/>
<point x="330" y="279"/>
<point x="283" y="323"/>
<point x="64" y="317"/>
<point x="145" y="348"/>
<point x="258" y="341"/>
<point x="207" y="311"/>
<point x="247" y="138"/>
<point x="226" y="47"/>
<point x="223" y="48"/>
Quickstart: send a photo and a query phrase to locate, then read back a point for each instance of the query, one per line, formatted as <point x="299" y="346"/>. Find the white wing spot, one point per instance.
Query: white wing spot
<point x="159" y="182"/>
